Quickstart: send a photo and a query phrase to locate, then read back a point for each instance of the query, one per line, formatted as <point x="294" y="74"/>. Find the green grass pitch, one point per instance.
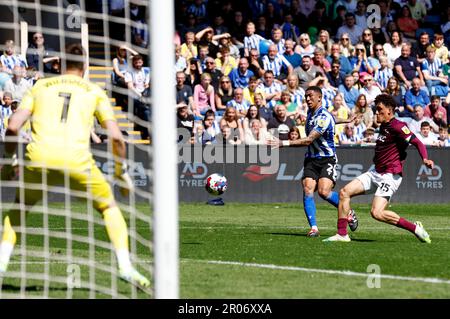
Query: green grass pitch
<point x="261" y="251"/>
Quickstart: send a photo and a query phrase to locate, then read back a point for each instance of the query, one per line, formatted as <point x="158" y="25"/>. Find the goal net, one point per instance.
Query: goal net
<point x="64" y="250"/>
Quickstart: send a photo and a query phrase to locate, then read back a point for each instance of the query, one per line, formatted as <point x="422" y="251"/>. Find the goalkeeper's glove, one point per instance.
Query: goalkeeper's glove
<point x="124" y="179"/>
<point x="9" y="171"/>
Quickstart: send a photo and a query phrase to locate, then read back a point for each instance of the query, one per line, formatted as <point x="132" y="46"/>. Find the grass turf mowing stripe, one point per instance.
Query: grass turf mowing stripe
<point x="324" y="271"/>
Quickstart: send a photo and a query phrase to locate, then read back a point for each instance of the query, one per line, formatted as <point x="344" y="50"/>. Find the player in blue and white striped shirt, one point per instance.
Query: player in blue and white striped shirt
<point x="432" y="70"/>
<point x="251" y="41"/>
<point x="319" y="171"/>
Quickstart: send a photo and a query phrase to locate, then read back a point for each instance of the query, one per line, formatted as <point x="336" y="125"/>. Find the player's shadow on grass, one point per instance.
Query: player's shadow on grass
<point x="323" y="237"/>
<point x="287" y="234"/>
<point x="362" y="240"/>
<point x="36" y="288"/>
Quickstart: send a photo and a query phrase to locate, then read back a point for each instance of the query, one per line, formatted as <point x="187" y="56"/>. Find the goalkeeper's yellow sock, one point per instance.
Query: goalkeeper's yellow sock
<point x="9" y="239"/>
<point x="118" y="234"/>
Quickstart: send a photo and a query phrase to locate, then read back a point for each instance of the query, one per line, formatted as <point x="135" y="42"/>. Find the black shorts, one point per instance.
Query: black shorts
<point x="317" y="168"/>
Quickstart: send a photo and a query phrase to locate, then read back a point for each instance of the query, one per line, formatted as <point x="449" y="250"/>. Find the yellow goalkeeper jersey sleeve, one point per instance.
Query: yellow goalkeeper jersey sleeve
<point x="62" y="115"/>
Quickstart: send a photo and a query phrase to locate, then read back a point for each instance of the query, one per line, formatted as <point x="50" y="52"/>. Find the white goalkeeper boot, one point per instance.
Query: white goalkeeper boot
<point x="135" y="278"/>
<point x="3" y="268"/>
<point x="5" y="255"/>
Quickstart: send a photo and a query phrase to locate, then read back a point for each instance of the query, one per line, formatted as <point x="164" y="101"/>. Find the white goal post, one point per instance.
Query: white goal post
<point x="165" y="212"/>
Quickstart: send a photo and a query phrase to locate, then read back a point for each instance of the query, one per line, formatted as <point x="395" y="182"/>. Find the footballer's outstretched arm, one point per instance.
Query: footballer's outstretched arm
<point x="300" y="142"/>
<point x="304" y="141"/>
<point x="15" y="123"/>
<point x="422" y="151"/>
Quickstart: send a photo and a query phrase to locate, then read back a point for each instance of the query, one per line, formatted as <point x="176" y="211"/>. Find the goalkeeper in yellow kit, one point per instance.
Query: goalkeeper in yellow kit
<point x="62" y="110"/>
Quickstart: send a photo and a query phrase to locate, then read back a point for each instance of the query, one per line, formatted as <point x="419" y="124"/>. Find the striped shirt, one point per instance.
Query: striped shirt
<point x="328" y="95"/>
<point x="10" y="61"/>
<point x="280" y="46"/>
<point x="252" y="42"/>
<point x="432" y="67"/>
<point x="269" y="90"/>
<point x="323" y="122"/>
<point x="275" y="65"/>
<point x="359" y="130"/>
<point x="382" y="77"/>
<point x="343" y="138"/>
<point x="140" y="28"/>
<point x="242" y="106"/>
<point x="4" y="116"/>
<point x="198" y="11"/>
<point x="298" y="96"/>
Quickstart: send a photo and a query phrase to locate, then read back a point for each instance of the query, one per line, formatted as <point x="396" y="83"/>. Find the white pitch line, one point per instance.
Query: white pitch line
<point x="325" y="271"/>
<point x="293" y="227"/>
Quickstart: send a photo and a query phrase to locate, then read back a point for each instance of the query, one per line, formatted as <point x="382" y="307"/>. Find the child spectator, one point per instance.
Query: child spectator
<point x="225" y="62"/>
<point x="189" y="48"/>
<point x="252" y="88"/>
<point x="426" y="136"/>
<point x="294" y="134"/>
<point x="443" y="139"/>
<point x="441" y="49"/>
<point x="251" y="41"/>
<point x="383" y="75"/>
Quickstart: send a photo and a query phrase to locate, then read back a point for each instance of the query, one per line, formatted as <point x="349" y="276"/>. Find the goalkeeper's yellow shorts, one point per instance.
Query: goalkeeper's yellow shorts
<point x="88" y="183"/>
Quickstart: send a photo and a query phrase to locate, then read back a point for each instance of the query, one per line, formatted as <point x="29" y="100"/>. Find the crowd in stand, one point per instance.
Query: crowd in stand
<point x="242" y="67"/>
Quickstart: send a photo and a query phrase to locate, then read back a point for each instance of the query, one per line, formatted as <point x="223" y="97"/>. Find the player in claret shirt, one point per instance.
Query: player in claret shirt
<point x="385" y="178"/>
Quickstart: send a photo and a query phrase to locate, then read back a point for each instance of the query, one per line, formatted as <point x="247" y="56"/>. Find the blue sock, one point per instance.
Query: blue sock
<point x="333" y="199"/>
<point x="310" y="209"/>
